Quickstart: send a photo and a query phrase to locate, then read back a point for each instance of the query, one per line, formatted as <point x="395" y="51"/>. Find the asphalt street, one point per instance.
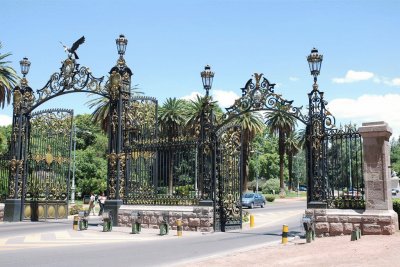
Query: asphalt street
<point x="49" y="244"/>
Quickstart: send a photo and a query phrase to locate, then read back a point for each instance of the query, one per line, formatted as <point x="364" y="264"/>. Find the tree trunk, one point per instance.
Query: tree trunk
<point x="290" y="167"/>
<point x="170" y="173"/>
<point x="245" y="160"/>
<point x="281" y="163"/>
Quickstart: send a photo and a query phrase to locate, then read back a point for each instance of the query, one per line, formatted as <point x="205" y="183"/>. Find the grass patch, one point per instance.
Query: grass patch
<point x="294" y="194"/>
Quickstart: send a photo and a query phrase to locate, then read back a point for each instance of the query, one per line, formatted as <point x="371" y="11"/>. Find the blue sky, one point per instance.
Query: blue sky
<point x="171" y="41"/>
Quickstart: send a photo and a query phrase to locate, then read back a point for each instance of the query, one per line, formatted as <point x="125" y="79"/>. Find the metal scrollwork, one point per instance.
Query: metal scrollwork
<point x="49" y="155"/>
<point x="71" y="78"/>
<point x="258" y="95"/>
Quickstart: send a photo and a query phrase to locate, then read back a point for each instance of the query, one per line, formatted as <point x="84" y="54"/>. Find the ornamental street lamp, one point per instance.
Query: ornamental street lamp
<point x="314" y="62"/>
<point x="121" y="42"/>
<point x="207" y="77"/>
<point x="25" y="65"/>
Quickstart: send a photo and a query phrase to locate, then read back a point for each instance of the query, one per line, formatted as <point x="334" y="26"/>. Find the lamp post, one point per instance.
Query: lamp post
<point x="73" y="170"/>
<point x="25" y="64"/>
<point x="258" y="166"/>
<point x="315" y="62"/>
<point x="207" y="77"/>
<point x="207" y="152"/>
<point x="319" y="118"/>
<point x="73" y="186"/>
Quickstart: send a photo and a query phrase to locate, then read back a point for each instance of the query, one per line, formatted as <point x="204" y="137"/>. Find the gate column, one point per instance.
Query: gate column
<point x="376" y="165"/>
<point x="119" y="87"/>
<point x="22" y="101"/>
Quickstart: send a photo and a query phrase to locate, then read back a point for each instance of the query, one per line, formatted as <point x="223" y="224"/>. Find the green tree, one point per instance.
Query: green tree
<point x="5" y="135"/>
<point x="251" y="124"/>
<point x="8" y="79"/>
<point x="172" y="120"/>
<point x="292" y="147"/>
<point x="266" y="162"/>
<point x="281" y="124"/>
<point x="395" y="154"/>
<point x="195" y="109"/>
<point x="101" y="106"/>
<point x="91" y="162"/>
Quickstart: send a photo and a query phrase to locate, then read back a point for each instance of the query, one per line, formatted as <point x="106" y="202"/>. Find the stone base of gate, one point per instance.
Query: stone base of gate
<point x="12" y="210"/>
<point x="1" y="212"/>
<point x="194" y="218"/>
<point x="333" y="222"/>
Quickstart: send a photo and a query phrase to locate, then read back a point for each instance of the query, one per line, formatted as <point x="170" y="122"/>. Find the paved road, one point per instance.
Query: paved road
<point x="55" y="244"/>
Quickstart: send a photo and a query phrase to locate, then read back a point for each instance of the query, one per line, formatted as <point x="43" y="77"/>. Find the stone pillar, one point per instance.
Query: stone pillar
<point x="376" y="162"/>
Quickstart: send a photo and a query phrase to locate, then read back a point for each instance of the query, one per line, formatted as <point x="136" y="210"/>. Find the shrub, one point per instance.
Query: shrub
<point x="270" y="198"/>
<point x="270" y="185"/>
<point x="396" y="207"/>
<point x="253" y="184"/>
<point x="75" y="209"/>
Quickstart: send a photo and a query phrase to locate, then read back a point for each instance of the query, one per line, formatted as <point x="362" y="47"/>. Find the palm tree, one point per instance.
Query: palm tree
<point x="195" y="110"/>
<point x="281" y="124"/>
<point x="252" y="124"/>
<point x="101" y="113"/>
<point x="172" y="118"/>
<point x="8" y="79"/>
<point x="292" y="147"/>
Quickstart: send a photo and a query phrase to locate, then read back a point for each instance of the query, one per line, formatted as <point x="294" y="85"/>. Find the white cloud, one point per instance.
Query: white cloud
<point x="225" y="98"/>
<point x="293" y="79"/>
<point x="392" y="82"/>
<point x="368" y="108"/>
<point x="192" y="96"/>
<point x="354" y="76"/>
<point x="5" y="120"/>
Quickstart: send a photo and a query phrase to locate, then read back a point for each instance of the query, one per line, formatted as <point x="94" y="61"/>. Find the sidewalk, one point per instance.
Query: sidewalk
<point x="328" y="251"/>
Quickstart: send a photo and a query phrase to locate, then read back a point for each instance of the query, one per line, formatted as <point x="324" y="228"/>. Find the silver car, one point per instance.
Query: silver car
<point x="251" y="200"/>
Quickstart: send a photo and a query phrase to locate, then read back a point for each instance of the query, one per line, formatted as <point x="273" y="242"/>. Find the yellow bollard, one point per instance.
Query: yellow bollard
<point x="179" y="227"/>
<point x="285" y="231"/>
<point x="251" y="220"/>
<point x="75" y="223"/>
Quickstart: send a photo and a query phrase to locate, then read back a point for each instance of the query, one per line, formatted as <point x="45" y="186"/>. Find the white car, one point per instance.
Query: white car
<point x="395" y="191"/>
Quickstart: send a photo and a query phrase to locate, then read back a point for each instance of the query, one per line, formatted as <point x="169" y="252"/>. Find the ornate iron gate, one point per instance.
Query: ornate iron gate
<point x="4" y="172"/>
<point x="228" y="195"/>
<point x="48" y="165"/>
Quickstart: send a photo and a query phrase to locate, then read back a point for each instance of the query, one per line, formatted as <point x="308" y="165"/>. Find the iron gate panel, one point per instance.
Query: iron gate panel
<point x="162" y="173"/>
<point x="344" y="169"/>
<point x="48" y="165"/>
<point x="4" y="173"/>
<point x="228" y="184"/>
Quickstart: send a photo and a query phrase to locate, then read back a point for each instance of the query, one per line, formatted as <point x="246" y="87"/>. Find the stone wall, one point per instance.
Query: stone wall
<point x="193" y="218"/>
<point x="378" y="218"/>
<point x="333" y="222"/>
<point x="1" y="212"/>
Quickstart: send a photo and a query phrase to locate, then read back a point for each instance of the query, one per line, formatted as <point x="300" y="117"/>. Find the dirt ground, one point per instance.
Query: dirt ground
<point x="327" y="251"/>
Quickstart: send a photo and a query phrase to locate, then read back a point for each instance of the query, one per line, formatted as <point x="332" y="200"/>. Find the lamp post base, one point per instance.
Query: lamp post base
<point x="12" y="210"/>
<point x="112" y="206"/>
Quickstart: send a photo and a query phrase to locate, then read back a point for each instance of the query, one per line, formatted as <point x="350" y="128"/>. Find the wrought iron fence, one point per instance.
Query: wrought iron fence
<point x="4" y="173"/>
<point x="162" y="172"/>
<point x="344" y="169"/>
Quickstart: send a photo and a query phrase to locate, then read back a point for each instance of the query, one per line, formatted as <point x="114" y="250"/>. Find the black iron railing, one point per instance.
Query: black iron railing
<point x="162" y="172"/>
<point x="344" y="169"/>
<point x="4" y="173"/>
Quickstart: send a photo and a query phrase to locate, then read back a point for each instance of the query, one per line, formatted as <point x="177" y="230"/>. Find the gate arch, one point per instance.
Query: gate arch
<point x="70" y="79"/>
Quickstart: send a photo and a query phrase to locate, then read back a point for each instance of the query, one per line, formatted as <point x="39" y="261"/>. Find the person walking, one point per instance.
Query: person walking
<point x="92" y="203"/>
<point x="102" y="200"/>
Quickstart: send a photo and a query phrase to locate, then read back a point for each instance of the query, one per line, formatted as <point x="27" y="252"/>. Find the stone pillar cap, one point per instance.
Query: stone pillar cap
<point x="376" y="128"/>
